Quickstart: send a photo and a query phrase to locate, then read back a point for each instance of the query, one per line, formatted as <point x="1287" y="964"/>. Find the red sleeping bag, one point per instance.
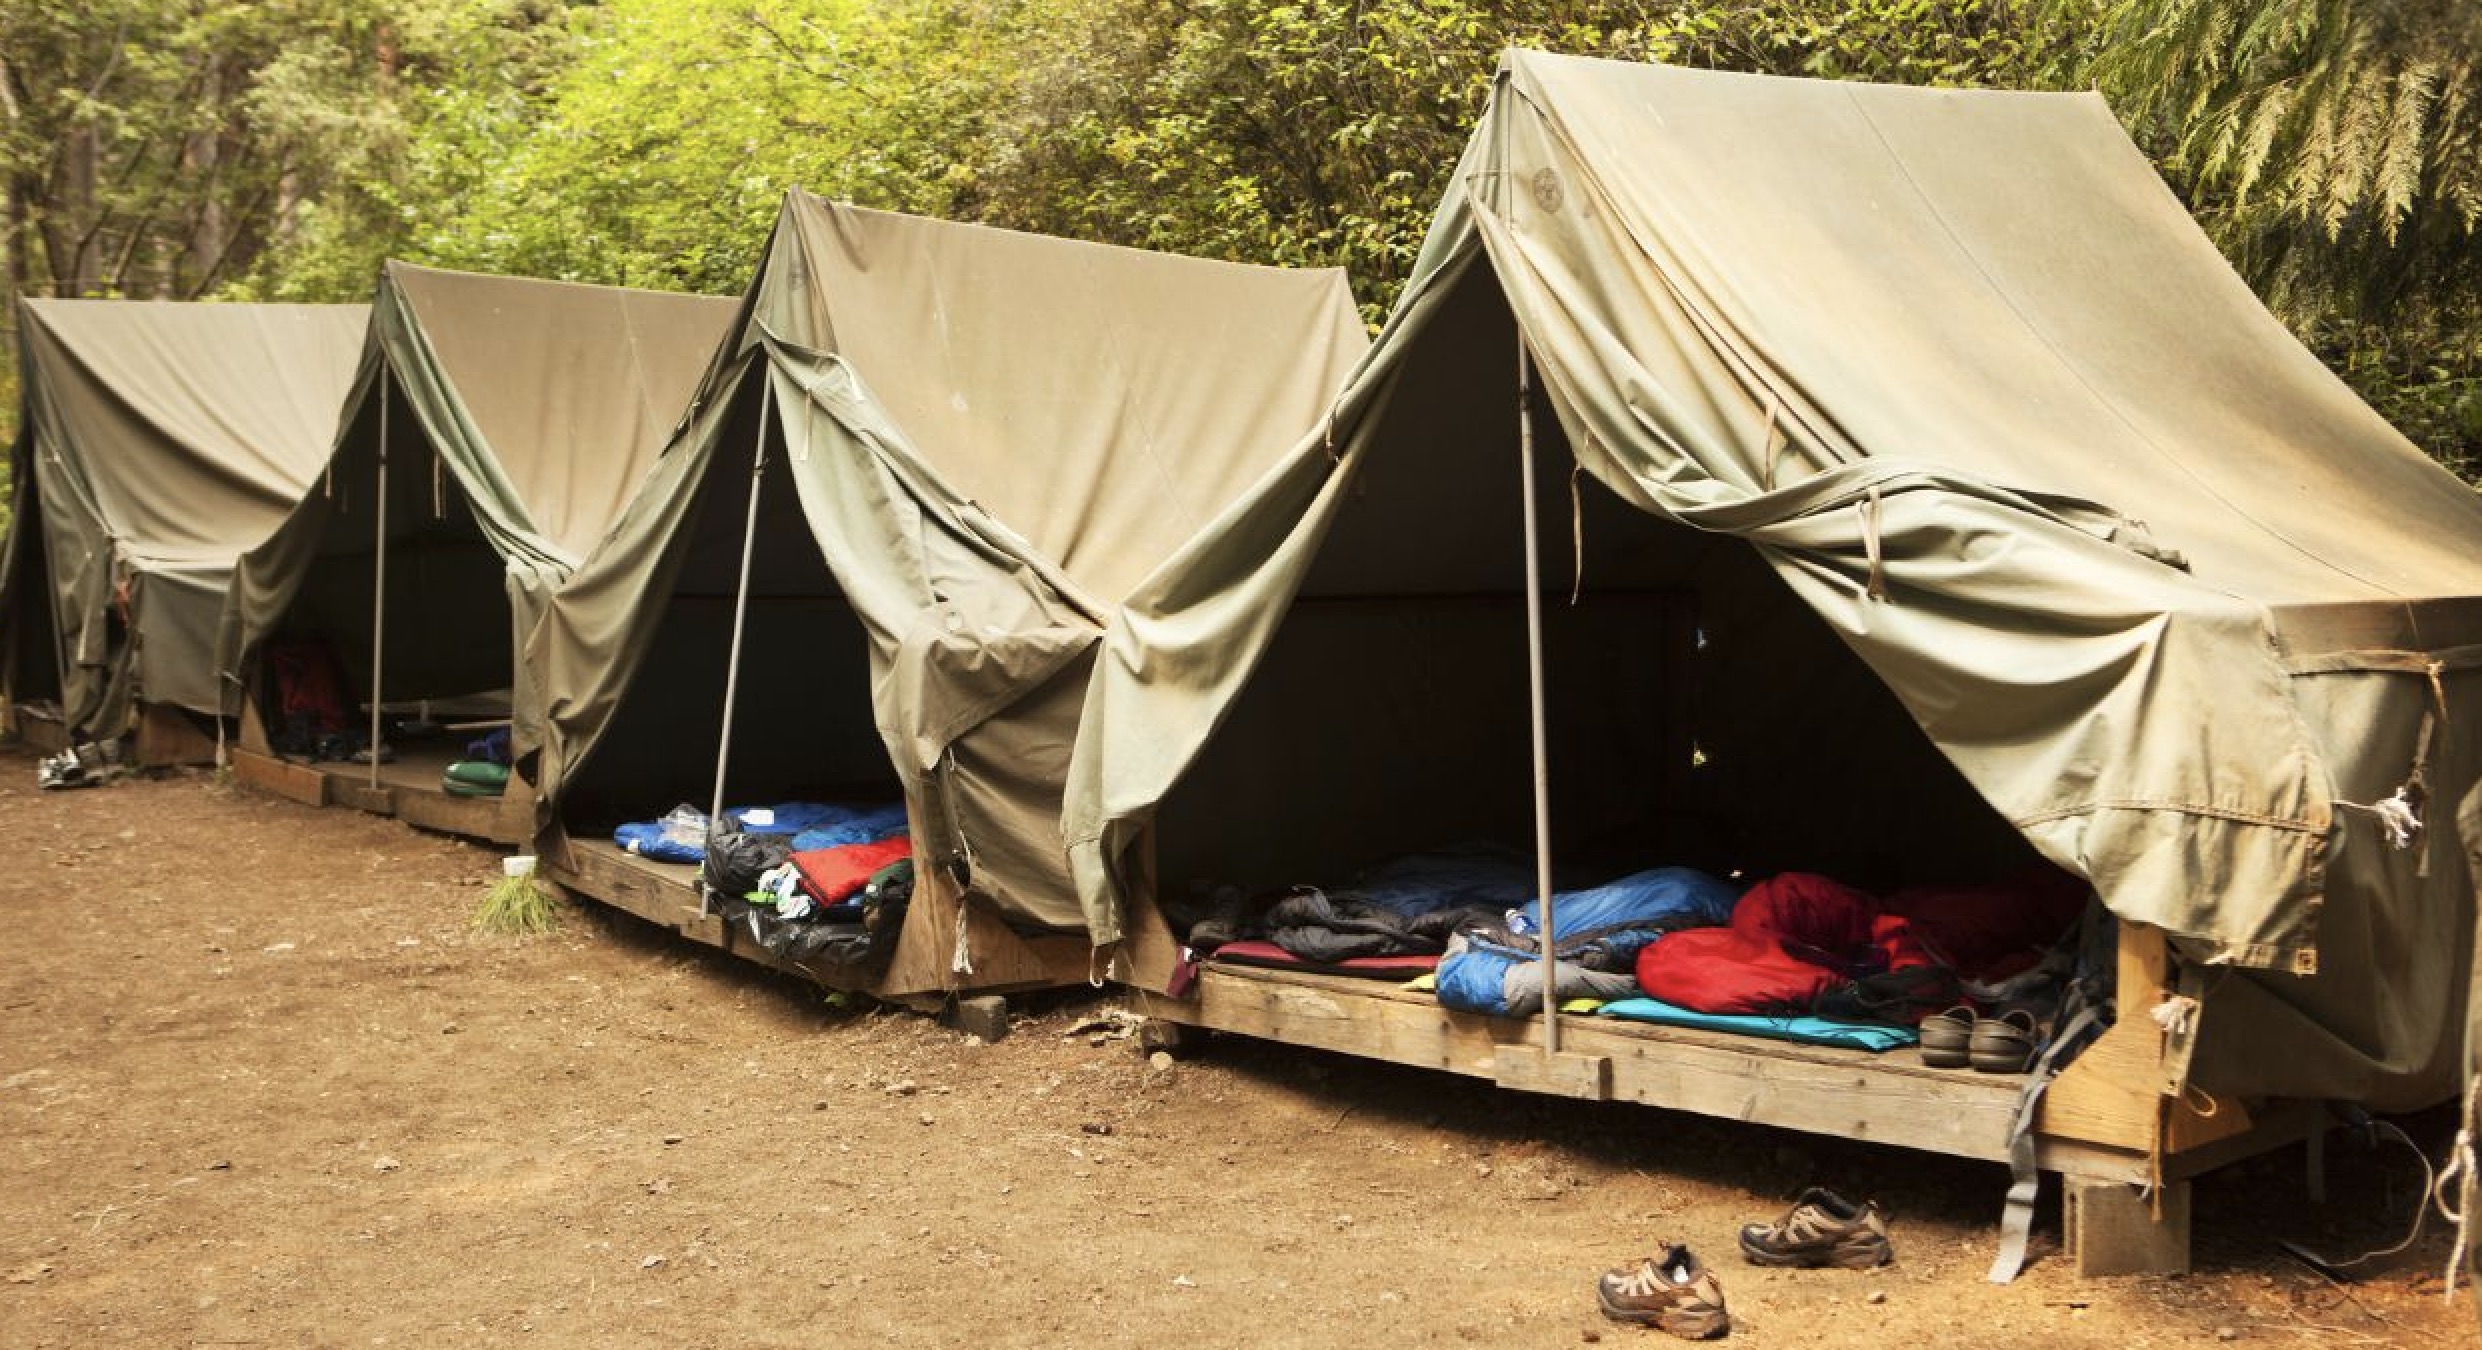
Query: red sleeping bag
<point x="1792" y="938"/>
<point x="834" y="875"/>
<point x="1992" y="932"/>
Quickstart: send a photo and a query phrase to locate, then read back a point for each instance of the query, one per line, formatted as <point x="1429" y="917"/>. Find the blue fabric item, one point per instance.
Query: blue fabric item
<point x="650" y="838"/>
<point x="790" y="817"/>
<point x="1664" y="898"/>
<point x="1807" y="1030"/>
<point x="1423" y="883"/>
<point x="1473" y="976"/>
<point x="866" y="825"/>
<point x="1601" y="931"/>
<point x="491" y="749"/>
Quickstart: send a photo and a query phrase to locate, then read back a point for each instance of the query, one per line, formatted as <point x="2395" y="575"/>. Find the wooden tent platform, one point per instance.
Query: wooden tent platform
<point x="920" y="975"/>
<point x="409" y="789"/>
<point x="2123" y="1141"/>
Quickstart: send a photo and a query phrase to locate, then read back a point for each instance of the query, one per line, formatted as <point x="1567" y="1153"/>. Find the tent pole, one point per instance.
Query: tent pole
<point x="379" y="575"/>
<point x="1534" y="690"/>
<point x="741" y="610"/>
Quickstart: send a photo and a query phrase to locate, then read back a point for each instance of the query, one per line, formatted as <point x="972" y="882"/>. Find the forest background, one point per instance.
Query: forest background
<point x="280" y="149"/>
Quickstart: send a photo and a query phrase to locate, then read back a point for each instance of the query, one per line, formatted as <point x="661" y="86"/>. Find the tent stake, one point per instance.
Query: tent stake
<point x="741" y="610"/>
<point x="379" y="574"/>
<point x="1534" y="691"/>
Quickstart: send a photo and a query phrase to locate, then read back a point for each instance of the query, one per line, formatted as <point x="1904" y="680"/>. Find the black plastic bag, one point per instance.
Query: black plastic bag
<point x="736" y="860"/>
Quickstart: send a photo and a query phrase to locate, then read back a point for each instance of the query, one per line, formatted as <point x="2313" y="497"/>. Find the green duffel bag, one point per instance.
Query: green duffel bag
<point x="474" y="778"/>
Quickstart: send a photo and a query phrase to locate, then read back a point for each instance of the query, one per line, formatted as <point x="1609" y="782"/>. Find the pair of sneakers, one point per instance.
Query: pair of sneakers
<point x="1673" y="1291"/>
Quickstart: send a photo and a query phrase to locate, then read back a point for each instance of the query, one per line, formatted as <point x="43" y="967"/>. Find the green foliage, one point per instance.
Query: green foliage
<point x="2334" y="150"/>
<point x="1322" y="132"/>
<point x="648" y="142"/>
<point x="156" y="148"/>
<point x="517" y="906"/>
<point x="282" y="148"/>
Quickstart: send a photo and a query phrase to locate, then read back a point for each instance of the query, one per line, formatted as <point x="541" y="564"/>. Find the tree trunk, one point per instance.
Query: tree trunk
<point x="210" y="233"/>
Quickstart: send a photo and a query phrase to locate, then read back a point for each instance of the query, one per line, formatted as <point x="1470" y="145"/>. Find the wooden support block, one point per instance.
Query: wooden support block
<point x="43" y="735"/>
<point x="984" y="1015"/>
<point x="1156" y="1035"/>
<point x="1529" y="1068"/>
<point x="166" y="735"/>
<point x="2116" y="1229"/>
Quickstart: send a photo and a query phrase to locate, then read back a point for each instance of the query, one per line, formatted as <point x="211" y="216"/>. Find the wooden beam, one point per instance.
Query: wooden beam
<point x="279" y="777"/>
<point x="1823" y="1089"/>
<point x="506" y="819"/>
<point x="2111" y="1094"/>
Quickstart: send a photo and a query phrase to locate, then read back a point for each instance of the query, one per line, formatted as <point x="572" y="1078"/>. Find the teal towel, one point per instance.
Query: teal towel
<point x="1807" y="1030"/>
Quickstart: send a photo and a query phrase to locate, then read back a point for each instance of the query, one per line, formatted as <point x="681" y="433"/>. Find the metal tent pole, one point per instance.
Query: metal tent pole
<point x="741" y="610"/>
<point x="1534" y="690"/>
<point x="379" y="575"/>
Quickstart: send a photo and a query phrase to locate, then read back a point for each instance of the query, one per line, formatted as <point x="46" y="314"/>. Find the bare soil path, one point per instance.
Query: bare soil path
<point x="260" y="1084"/>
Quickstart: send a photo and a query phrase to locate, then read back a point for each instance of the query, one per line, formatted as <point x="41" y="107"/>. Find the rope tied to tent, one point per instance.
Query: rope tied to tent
<point x="439" y="487"/>
<point x="2461" y="1170"/>
<point x="2400" y="814"/>
<point x="2432" y="1180"/>
<point x="1577" y="532"/>
<point x="961" y="957"/>
<point x="2175" y="1014"/>
<point x="1872" y="545"/>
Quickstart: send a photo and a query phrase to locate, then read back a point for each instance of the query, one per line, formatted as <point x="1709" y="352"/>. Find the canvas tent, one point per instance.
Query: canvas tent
<point x="496" y="427"/>
<point x="156" y="442"/>
<point x="1954" y="371"/>
<point x="928" y="465"/>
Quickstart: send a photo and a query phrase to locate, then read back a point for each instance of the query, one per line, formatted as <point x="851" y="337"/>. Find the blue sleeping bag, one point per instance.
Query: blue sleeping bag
<point x="1425" y="883"/>
<point x="681" y="837"/>
<point x="1601" y="931"/>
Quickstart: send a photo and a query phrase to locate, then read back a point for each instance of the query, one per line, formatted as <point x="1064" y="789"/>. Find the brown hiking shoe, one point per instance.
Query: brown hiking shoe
<point x="1821" y="1229"/>
<point x="1671" y="1291"/>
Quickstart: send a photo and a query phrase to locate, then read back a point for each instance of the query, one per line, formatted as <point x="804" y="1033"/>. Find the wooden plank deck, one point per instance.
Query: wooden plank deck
<point x="409" y="789"/>
<point x="1889" y="1098"/>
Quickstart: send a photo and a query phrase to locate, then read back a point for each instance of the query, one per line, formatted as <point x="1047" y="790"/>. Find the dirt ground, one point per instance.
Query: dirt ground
<point x="261" y="1084"/>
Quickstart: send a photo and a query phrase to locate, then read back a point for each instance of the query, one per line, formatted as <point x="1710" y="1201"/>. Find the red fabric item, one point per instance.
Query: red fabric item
<point x="833" y="875"/>
<point x="1806" y="908"/>
<point x="1793" y="937"/>
<point x="1719" y="970"/>
<point x="1256" y="953"/>
<point x="310" y="684"/>
<point x="1991" y="932"/>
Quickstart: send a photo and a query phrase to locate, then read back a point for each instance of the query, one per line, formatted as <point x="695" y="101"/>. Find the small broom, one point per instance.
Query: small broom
<point x="515" y="905"/>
